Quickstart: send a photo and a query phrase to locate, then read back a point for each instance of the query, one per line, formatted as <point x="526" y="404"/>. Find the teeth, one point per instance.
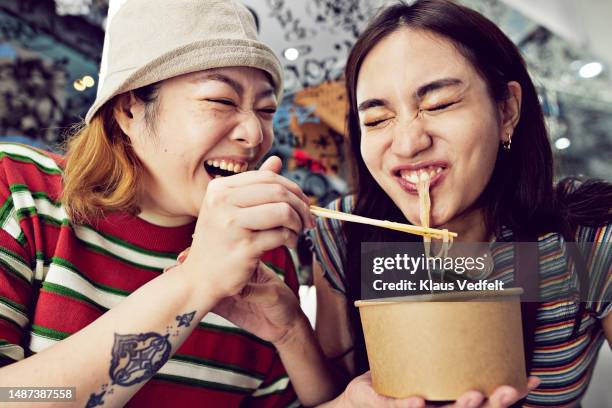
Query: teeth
<point x="414" y="176"/>
<point x="234" y="167"/>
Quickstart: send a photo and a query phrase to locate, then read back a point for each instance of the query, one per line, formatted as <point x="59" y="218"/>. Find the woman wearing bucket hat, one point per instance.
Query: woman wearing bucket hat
<point x="438" y="93"/>
<point x="186" y="97"/>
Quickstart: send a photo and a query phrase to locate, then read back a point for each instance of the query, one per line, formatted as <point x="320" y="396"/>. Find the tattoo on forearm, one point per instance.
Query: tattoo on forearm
<point x="135" y="358"/>
<point x="95" y="400"/>
<point x="184" y="320"/>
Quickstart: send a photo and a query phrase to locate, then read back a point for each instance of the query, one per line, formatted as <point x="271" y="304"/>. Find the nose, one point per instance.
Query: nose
<point x="248" y="131"/>
<point x="410" y="138"/>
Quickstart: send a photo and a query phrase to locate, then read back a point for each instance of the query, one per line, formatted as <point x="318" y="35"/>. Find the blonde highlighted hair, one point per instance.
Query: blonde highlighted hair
<point x="102" y="172"/>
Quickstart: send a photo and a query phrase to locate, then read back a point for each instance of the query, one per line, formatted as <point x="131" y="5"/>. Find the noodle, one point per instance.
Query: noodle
<point x="425" y="215"/>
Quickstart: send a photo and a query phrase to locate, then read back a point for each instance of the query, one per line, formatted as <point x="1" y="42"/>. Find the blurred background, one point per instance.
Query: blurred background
<point x="50" y="52"/>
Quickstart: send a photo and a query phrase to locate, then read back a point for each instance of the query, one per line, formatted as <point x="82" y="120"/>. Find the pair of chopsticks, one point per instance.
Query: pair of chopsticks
<point x="411" y="229"/>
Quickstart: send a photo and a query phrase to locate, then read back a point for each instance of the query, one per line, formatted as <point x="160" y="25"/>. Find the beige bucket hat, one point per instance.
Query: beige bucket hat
<point x="151" y="40"/>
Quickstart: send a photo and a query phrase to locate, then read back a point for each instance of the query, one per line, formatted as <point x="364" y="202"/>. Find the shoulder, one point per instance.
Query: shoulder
<point x="586" y="207"/>
<point x="330" y="243"/>
<point x="22" y="154"/>
<point x="344" y="204"/>
<point x="27" y="168"/>
<point x="329" y="232"/>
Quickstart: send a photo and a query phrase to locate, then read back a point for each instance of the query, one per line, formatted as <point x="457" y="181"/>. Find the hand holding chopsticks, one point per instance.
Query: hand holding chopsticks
<point x="411" y="229"/>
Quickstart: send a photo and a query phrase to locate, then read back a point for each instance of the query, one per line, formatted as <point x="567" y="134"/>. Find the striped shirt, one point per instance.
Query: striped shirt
<point x="56" y="278"/>
<point x="563" y="361"/>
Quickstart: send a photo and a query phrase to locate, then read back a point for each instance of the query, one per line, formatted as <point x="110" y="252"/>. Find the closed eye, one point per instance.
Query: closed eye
<point x="440" y="107"/>
<point x="226" y="102"/>
<point x="268" y="111"/>
<point x="374" y="123"/>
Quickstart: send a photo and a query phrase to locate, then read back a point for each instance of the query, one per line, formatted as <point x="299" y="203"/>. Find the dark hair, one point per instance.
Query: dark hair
<point x="148" y="94"/>
<point x="520" y="194"/>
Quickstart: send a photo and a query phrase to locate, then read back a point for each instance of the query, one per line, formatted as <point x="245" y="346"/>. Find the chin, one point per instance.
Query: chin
<point x="411" y="214"/>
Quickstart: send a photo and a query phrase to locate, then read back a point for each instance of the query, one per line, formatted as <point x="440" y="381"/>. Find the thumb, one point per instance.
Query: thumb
<point x="272" y="163"/>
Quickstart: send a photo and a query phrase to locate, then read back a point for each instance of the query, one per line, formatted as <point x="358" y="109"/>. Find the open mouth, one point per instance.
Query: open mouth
<point x="224" y="168"/>
<point x="413" y="176"/>
<point x="408" y="179"/>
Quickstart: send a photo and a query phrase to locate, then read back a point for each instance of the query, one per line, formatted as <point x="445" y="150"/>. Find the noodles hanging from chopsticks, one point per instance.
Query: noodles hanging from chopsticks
<point x="424" y="206"/>
<point x="425" y="215"/>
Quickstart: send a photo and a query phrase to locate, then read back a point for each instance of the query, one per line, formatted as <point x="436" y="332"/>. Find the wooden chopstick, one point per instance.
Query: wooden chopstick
<point x="411" y="229"/>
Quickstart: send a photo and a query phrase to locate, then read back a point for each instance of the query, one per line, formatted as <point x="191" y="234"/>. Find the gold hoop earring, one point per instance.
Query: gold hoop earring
<point x="508" y="143"/>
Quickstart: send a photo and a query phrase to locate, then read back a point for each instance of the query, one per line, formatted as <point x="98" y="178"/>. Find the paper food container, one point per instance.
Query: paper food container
<point x="440" y="346"/>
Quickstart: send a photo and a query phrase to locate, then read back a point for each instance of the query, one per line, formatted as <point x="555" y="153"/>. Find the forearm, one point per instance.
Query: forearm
<point x="157" y="317"/>
<point x="307" y="366"/>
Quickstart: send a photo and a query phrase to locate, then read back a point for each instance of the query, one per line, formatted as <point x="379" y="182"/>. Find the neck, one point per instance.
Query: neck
<point x="164" y="220"/>
<point x="155" y="212"/>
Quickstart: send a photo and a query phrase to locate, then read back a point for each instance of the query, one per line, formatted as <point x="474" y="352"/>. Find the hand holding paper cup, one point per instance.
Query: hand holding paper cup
<point x="361" y="394"/>
<point x="441" y="346"/>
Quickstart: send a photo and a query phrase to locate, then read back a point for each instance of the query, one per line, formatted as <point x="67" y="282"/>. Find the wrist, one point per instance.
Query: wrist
<point x="200" y="288"/>
<point x="299" y="333"/>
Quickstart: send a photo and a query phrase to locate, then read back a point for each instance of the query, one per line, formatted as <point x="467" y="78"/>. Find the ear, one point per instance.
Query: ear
<point x="128" y="112"/>
<point x="510" y="110"/>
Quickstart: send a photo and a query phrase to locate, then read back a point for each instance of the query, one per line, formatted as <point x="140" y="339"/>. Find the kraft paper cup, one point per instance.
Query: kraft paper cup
<point x="440" y="346"/>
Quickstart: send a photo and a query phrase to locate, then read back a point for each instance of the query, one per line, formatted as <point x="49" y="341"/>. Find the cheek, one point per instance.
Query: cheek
<point x="472" y="139"/>
<point x="475" y="156"/>
<point x="268" y="136"/>
<point x="372" y="151"/>
<point x="481" y="149"/>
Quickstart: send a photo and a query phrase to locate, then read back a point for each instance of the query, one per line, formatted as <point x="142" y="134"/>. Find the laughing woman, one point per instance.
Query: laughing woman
<point x="168" y="151"/>
<point x="435" y="87"/>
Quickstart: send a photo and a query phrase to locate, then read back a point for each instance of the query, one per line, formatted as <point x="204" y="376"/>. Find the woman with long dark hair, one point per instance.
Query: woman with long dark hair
<point x="435" y="87"/>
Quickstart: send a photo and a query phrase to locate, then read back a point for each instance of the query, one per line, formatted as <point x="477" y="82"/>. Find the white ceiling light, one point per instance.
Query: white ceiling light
<point x="590" y="70"/>
<point x="88" y="81"/>
<point x="562" y="143"/>
<point x="79" y="85"/>
<point x="291" y="54"/>
<point x="72" y="7"/>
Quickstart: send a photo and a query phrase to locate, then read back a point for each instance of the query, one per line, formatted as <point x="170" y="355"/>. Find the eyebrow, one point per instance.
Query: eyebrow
<point x="236" y="86"/>
<point x="269" y="92"/>
<point x="371" y="103"/>
<point x="435" y="85"/>
<point x="420" y="93"/>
